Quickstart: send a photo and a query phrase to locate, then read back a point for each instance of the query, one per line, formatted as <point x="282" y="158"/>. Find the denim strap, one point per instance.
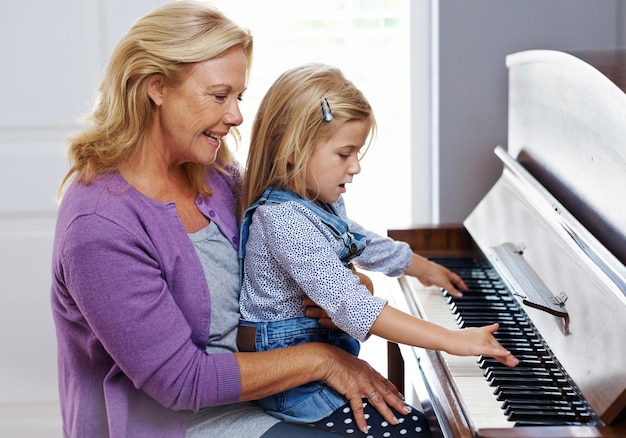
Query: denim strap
<point x="354" y="243"/>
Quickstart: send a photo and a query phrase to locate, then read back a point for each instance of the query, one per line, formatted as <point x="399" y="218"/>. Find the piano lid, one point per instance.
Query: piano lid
<point x="557" y="213"/>
<point x="567" y="126"/>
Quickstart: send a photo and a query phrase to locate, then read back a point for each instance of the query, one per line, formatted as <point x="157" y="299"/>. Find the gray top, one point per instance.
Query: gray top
<point x="221" y="268"/>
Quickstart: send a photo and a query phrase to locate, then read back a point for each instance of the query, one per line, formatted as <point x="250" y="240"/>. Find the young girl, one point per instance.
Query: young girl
<point x="296" y="242"/>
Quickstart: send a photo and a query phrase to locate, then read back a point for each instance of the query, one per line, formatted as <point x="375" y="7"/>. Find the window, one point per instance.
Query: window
<point x="369" y="41"/>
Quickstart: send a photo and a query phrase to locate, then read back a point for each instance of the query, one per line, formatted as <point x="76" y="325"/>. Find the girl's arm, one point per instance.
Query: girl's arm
<point x="397" y="326"/>
<point x="383" y="254"/>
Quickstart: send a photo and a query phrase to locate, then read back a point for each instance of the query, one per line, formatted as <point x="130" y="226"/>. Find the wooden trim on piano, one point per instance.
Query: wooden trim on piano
<point x="555" y="432"/>
<point x="395" y="366"/>
<point x="451" y="240"/>
<point x="452" y="410"/>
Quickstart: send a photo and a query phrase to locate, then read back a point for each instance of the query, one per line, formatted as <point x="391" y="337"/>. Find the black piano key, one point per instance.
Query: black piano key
<point x="518" y="338"/>
<point x="468" y="307"/>
<point x="482" y="300"/>
<point x="527" y="413"/>
<point x="531" y="385"/>
<point x="511" y="332"/>
<point x="532" y="394"/>
<point x="520" y="403"/>
<point x="478" y="322"/>
<point x="522" y="345"/>
<point x="492" y="374"/>
<point x="549" y="416"/>
<point x="526" y="380"/>
<point x="497" y="375"/>
<point x="481" y="317"/>
<point x="539" y="407"/>
<point x="525" y="360"/>
<point x="575" y="405"/>
<point x="476" y="281"/>
<point x="528" y="406"/>
<point x="474" y="306"/>
<point x="531" y="423"/>
<point x="470" y="321"/>
<point x="519" y="350"/>
<point x="497" y="313"/>
<point x="478" y="290"/>
<point x="518" y="370"/>
<point x="524" y="331"/>
<point x="505" y="323"/>
<point x="486" y="316"/>
<point x="511" y="339"/>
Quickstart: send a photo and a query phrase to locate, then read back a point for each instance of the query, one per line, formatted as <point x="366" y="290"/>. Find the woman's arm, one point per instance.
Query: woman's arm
<point x="124" y="311"/>
<point x="269" y="372"/>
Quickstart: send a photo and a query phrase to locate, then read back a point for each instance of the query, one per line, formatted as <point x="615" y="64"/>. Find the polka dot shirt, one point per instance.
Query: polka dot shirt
<point x="290" y="253"/>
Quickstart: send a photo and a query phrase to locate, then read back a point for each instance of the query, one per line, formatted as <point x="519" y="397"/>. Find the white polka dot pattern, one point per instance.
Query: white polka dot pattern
<point x="413" y="424"/>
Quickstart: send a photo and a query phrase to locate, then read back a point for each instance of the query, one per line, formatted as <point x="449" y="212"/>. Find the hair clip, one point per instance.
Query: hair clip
<point x="327" y="113"/>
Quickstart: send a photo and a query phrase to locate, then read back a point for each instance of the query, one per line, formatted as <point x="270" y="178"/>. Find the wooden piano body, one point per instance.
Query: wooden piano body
<point x="559" y="208"/>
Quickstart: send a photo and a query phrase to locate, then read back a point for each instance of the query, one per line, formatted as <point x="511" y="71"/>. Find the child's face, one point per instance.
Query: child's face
<point x="335" y="161"/>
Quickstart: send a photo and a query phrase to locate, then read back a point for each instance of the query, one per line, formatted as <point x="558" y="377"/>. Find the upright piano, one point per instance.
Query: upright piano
<point x="544" y="255"/>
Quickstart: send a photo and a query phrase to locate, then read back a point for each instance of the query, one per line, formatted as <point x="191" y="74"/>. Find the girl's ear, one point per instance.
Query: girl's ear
<point x="155" y="89"/>
<point x="291" y="159"/>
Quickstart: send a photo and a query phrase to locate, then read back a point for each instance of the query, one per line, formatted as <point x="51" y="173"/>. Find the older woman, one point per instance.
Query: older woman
<point x="145" y="271"/>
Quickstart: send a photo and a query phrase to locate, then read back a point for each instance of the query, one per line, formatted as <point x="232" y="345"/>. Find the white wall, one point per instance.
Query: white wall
<point x="52" y="53"/>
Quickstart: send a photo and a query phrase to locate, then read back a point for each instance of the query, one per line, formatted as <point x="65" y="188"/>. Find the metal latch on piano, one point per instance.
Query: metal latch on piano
<point x="526" y="284"/>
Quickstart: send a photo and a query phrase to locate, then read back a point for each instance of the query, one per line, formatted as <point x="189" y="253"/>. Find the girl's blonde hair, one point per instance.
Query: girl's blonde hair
<point x="166" y="42"/>
<point x="289" y="123"/>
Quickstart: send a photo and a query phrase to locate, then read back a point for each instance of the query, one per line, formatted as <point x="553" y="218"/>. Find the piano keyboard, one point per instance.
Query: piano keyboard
<point x="537" y="391"/>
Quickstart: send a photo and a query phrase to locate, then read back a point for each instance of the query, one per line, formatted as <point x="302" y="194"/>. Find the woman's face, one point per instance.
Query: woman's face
<point x="195" y="115"/>
<point x="335" y="161"/>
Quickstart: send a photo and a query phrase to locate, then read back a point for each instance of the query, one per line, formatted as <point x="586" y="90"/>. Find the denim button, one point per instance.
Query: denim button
<point x="353" y="248"/>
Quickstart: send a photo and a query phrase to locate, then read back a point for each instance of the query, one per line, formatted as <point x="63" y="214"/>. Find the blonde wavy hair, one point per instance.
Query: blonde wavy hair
<point x="165" y="42"/>
<point x="289" y="124"/>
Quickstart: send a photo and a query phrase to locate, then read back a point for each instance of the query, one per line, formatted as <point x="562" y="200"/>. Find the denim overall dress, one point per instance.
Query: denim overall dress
<point x="313" y="401"/>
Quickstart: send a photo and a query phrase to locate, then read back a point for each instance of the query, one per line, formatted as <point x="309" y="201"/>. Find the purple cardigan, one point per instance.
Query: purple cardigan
<point x="131" y="308"/>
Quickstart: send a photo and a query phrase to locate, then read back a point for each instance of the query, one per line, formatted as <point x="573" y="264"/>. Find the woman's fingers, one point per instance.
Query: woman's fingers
<point x="357" y="380"/>
<point x="381" y="398"/>
<point x="385" y="396"/>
